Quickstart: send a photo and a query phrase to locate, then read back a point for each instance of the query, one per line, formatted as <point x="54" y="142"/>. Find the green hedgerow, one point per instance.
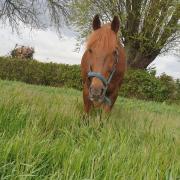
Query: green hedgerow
<point x="139" y="84"/>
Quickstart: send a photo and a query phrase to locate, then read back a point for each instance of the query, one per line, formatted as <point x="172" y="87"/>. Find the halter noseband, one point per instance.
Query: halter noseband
<point x="105" y="81"/>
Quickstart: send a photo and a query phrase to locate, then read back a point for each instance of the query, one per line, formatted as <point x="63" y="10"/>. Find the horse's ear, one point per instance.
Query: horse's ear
<point x="115" y="24"/>
<point x="96" y="22"/>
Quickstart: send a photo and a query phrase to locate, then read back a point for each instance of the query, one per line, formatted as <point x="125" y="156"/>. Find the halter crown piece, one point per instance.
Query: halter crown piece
<point x="105" y="81"/>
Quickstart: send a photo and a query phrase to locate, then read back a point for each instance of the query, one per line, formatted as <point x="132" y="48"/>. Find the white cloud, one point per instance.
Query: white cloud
<point x="169" y="64"/>
<point x="49" y="47"/>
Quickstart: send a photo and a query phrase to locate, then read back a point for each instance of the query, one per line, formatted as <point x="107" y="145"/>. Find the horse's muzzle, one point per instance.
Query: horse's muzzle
<point x="96" y="94"/>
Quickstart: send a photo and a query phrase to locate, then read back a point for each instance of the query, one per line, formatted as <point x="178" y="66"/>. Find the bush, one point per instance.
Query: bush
<point x="137" y="83"/>
<point x="171" y="87"/>
<point x="143" y="85"/>
<point x="177" y="92"/>
<point x="34" y="72"/>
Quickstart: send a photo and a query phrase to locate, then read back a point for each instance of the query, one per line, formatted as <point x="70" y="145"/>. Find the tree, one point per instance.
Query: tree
<point x="148" y="27"/>
<point x="35" y="13"/>
<point x="22" y="52"/>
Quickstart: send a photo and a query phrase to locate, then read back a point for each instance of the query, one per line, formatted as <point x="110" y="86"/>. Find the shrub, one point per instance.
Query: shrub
<point x="177" y="97"/>
<point x="23" y="52"/>
<point x="171" y="87"/>
<point x="34" y="72"/>
<point x="143" y="85"/>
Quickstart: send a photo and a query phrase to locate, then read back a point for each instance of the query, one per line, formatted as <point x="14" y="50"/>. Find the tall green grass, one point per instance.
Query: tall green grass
<point x="44" y="135"/>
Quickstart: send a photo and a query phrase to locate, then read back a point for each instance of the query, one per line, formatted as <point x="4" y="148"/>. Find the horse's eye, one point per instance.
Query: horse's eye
<point x="90" y="67"/>
<point x="90" y="50"/>
<point x="109" y="70"/>
<point x="115" y="53"/>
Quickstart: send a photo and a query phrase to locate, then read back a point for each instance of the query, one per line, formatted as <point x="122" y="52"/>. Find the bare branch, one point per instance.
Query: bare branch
<point x="34" y="13"/>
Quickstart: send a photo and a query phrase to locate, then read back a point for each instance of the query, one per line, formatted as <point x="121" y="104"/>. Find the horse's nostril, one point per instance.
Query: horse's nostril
<point x="91" y="89"/>
<point x="102" y="90"/>
<point x="96" y="92"/>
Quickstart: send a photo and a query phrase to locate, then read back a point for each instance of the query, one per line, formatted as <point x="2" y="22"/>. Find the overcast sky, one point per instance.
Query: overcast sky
<point x="50" y="48"/>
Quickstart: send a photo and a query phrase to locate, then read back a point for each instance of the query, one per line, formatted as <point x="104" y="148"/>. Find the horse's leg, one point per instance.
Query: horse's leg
<point x="87" y="102"/>
<point x="113" y="96"/>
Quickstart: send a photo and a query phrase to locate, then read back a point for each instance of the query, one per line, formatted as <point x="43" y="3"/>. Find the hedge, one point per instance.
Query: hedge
<point x="137" y="83"/>
<point x="141" y="84"/>
<point x="34" y="72"/>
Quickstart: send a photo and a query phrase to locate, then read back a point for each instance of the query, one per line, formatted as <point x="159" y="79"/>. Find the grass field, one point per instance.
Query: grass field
<point x="44" y="135"/>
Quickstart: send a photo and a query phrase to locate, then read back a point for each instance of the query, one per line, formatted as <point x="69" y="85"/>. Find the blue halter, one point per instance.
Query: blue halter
<point x="105" y="81"/>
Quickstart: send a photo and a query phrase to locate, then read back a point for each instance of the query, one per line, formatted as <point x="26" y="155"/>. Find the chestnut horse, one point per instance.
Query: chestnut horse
<point x="102" y="66"/>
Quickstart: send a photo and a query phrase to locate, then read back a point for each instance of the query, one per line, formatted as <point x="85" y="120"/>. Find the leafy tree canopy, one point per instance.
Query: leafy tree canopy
<point x="148" y="27"/>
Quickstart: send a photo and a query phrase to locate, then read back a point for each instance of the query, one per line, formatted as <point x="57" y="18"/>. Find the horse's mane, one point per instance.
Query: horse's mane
<point x="103" y="39"/>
